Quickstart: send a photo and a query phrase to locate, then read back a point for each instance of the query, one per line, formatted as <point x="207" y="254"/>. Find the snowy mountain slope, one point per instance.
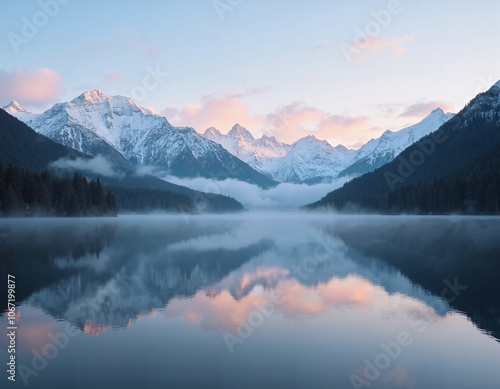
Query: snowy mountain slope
<point x="116" y="127"/>
<point x="378" y="152"/>
<point x="308" y="159"/>
<point x="15" y="109"/>
<point x="259" y="153"/>
<point x="486" y="105"/>
<point x="311" y="159"/>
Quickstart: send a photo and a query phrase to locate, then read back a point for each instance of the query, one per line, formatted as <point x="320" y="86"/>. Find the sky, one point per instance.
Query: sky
<point x="344" y="71"/>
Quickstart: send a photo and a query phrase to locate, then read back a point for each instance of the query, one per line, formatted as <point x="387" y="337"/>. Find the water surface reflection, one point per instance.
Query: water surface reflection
<point x="285" y="301"/>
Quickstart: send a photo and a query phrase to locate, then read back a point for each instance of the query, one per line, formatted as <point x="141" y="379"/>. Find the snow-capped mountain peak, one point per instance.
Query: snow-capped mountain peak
<point x="13" y="107"/>
<point x="312" y="159"/>
<point x="18" y="111"/>
<point x="239" y="132"/>
<point x="89" y="96"/>
<point x="211" y="132"/>
<point x="497" y="84"/>
<point x="259" y="153"/>
<point x="125" y="133"/>
<point x="309" y="140"/>
<point x="385" y="148"/>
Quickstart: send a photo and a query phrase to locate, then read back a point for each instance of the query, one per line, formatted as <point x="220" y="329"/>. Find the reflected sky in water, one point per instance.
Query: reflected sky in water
<point x="268" y="301"/>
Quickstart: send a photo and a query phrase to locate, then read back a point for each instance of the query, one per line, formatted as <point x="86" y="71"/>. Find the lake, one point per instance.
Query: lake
<point x="254" y="301"/>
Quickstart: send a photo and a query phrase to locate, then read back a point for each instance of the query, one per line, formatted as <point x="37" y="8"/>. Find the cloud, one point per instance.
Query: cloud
<point x="319" y="46"/>
<point x="284" y="196"/>
<point x="364" y="50"/>
<point x="220" y="112"/>
<point x="135" y="41"/>
<point x="255" y="91"/>
<point x="297" y="120"/>
<point x="288" y="123"/>
<point x="216" y="311"/>
<point x="425" y="108"/>
<point x="113" y="78"/>
<point x="98" y="165"/>
<point x="31" y="87"/>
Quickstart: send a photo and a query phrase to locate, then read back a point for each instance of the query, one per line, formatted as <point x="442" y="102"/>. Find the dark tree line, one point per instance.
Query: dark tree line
<point x="476" y="194"/>
<point x="150" y="200"/>
<point x="472" y="195"/>
<point x="471" y="189"/>
<point x="26" y="193"/>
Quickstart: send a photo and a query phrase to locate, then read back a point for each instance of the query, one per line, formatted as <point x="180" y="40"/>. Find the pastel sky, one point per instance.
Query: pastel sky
<point x="343" y="70"/>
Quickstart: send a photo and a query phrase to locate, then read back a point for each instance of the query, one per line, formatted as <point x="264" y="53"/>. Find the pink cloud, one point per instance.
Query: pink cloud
<point x="425" y="108"/>
<point x="30" y="87"/>
<point x="364" y="50"/>
<point x="319" y="46"/>
<point x="222" y="311"/>
<point x="223" y="113"/>
<point x="113" y="78"/>
<point x="295" y="121"/>
<point x="287" y="123"/>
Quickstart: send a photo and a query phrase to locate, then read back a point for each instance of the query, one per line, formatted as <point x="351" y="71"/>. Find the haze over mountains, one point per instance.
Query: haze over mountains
<point x="26" y="149"/>
<point x="114" y="126"/>
<point x="133" y="138"/>
<point x="129" y="135"/>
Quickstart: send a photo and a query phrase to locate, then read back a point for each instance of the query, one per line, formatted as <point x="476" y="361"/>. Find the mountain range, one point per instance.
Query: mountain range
<point x="132" y="136"/>
<point x="310" y="160"/>
<point x="129" y="135"/>
<point x="26" y="149"/>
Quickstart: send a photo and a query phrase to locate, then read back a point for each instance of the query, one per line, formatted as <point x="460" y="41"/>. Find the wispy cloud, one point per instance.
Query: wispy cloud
<point x="98" y="165"/>
<point x="366" y="49"/>
<point x="113" y="78"/>
<point x="319" y="46"/>
<point x="288" y="123"/>
<point x="423" y="109"/>
<point x="297" y="120"/>
<point x="212" y="111"/>
<point x="284" y="196"/>
<point x="135" y="41"/>
<point x="31" y="87"/>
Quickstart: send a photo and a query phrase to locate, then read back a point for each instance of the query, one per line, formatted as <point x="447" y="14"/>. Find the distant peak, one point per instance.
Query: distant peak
<point x="438" y="110"/>
<point x="309" y="138"/>
<point x="14" y="106"/>
<point x="90" y="96"/>
<point x="212" y="131"/>
<point x="308" y="141"/>
<point x="240" y="131"/>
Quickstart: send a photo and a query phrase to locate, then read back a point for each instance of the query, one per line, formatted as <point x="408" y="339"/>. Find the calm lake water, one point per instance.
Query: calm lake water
<point x="254" y="301"/>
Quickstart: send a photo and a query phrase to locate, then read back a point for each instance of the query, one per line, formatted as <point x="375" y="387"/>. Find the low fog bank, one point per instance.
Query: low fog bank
<point x="283" y="197"/>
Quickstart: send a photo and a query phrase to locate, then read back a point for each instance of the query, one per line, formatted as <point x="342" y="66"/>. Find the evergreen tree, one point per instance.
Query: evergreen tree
<point x="11" y="205"/>
<point x="74" y="206"/>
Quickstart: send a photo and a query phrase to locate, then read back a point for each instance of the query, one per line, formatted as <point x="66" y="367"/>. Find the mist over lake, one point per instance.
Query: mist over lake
<point x="268" y="300"/>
